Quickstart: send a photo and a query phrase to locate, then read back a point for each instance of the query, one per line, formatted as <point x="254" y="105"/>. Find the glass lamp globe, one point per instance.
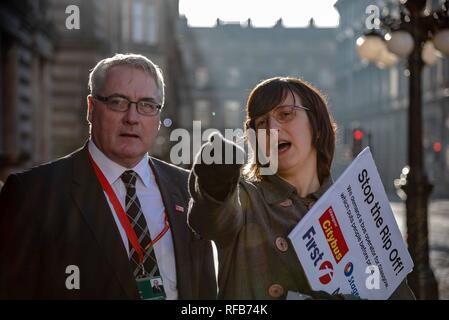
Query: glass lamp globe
<point x="369" y="47"/>
<point x="386" y="59"/>
<point x="441" y="41"/>
<point x="400" y="43"/>
<point x="429" y="54"/>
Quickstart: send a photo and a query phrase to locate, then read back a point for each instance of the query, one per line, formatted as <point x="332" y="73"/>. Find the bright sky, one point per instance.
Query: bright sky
<point x="263" y="13"/>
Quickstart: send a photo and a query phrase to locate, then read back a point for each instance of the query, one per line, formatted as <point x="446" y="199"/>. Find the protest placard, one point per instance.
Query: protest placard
<point x="349" y="242"/>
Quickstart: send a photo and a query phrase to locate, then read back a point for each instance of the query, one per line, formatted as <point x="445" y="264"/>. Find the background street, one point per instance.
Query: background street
<point x="438" y="242"/>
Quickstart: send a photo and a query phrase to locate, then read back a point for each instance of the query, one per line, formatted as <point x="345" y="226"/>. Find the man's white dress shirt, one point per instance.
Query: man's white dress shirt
<point x="153" y="209"/>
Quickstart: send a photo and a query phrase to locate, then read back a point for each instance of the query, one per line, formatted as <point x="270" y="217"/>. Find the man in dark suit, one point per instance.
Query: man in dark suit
<point x="99" y="222"/>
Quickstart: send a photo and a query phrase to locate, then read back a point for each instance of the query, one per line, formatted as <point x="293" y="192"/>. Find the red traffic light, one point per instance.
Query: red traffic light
<point x="358" y="134"/>
<point x="437" y="146"/>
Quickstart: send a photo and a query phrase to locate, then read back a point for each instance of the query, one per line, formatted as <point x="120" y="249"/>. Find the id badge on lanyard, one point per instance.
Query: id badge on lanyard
<point x="151" y="288"/>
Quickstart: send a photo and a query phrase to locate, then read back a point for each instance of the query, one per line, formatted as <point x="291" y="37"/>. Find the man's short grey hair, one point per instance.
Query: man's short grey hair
<point x="97" y="76"/>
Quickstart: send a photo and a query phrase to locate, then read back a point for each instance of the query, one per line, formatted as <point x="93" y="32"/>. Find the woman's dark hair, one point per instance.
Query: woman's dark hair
<point x="269" y="94"/>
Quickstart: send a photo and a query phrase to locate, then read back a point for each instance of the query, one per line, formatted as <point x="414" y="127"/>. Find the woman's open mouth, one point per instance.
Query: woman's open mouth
<point x="283" y="147"/>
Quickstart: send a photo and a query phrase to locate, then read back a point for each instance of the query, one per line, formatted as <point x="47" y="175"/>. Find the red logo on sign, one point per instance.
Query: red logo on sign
<point x="327" y="272"/>
<point x="334" y="237"/>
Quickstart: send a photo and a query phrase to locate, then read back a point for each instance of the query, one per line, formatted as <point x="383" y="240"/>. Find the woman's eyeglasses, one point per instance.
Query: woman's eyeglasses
<point x="282" y="114"/>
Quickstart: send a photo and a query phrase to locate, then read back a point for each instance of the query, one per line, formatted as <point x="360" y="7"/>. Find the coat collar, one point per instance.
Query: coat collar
<point x="89" y="197"/>
<point x="173" y="202"/>
<point x="275" y="189"/>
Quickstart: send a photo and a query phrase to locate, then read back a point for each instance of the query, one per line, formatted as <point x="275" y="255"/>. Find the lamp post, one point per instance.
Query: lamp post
<point x="416" y="34"/>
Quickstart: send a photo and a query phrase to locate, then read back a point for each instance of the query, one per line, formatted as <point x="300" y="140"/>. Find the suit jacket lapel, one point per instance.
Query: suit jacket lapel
<point x="179" y="229"/>
<point x="89" y="197"/>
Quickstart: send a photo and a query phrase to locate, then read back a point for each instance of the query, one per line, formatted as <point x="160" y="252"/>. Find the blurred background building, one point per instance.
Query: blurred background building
<point x="375" y="101"/>
<point x="209" y="73"/>
<point x="225" y="62"/>
<point x="26" y="51"/>
<point x="45" y="66"/>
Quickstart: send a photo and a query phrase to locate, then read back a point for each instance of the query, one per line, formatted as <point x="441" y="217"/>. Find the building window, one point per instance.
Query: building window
<point x="232" y="114"/>
<point x="233" y="77"/>
<point x="446" y="72"/>
<point x="185" y="116"/>
<point x="439" y="72"/>
<point x="151" y="29"/>
<point x="137" y="21"/>
<point x="202" y="112"/>
<point x="394" y="82"/>
<point x="125" y="20"/>
<point x="201" y="77"/>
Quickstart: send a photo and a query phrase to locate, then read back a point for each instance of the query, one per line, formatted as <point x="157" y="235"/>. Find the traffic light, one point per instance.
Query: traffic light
<point x="437" y="147"/>
<point x="357" y="141"/>
<point x="358" y="134"/>
<point x="437" y="150"/>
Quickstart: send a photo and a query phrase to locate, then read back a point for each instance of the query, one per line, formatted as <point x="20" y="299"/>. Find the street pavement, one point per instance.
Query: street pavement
<point x="438" y="240"/>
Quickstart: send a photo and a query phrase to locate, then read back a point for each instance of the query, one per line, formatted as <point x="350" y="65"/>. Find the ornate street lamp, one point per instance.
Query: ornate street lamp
<point x="415" y="33"/>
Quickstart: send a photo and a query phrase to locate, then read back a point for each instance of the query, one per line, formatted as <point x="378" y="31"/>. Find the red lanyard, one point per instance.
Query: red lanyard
<point x="130" y="233"/>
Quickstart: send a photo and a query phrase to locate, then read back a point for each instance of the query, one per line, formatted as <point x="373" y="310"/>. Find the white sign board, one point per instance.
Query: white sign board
<point x="349" y="241"/>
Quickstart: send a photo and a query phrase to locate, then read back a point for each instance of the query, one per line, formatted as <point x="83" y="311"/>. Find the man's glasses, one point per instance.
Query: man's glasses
<point x="282" y="114"/>
<point x="118" y="103"/>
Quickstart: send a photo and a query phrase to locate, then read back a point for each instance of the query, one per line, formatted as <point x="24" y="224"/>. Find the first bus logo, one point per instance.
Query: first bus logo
<point x="334" y="236"/>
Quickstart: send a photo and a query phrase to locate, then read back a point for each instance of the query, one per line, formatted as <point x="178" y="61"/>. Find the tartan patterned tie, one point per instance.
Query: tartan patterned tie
<point x="139" y="224"/>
